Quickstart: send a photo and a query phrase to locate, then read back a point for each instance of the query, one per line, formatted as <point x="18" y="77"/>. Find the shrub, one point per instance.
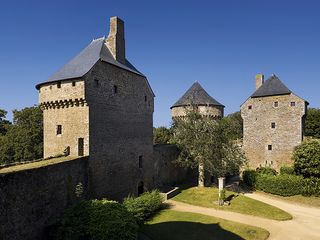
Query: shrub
<point x="283" y="185"/>
<point x="311" y="187"/>
<point x="307" y="159"/>
<point x="287" y="170"/>
<point x="144" y="206"/>
<point x="267" y="171"/>
<point x="98" y="220"/>
<point x="249" y="177"/>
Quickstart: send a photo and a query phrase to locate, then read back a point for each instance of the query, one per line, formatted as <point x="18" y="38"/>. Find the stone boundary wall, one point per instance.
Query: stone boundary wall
<point x="32" y="200"/>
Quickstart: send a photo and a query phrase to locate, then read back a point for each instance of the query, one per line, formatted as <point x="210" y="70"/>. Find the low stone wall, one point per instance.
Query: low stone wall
<point x="31" y="200"/>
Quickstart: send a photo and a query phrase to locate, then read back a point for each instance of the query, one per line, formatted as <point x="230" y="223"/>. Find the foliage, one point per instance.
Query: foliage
<point x="267" y="171"/>
<point x="162" y="135"/>
<point x="307" y="159"/>
<point x="312" y="127"/>
<point x="3" y="122"/>
<point x="23" y="139"/>
<point x="287" y="170"/>
<point x="234" y="122"/>
<point x="249" y="177"/>
<point x="311" y="187"/>
<point x="205" y="142"/>
<point x="97" y="220"/>
<point x="143" y="206"/>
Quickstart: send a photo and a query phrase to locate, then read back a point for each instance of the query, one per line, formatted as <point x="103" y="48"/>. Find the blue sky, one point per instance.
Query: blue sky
<point x="222" y="44"/>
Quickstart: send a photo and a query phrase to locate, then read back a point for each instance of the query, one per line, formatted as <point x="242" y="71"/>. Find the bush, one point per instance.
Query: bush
<point x="144" y="206"/>
<point x="267" y="171"/>
<point x="311" y="187"/>
<point x="307" y="159"/>
<point x="283" y="185"/>
<point x="287" y="170"/>
<point x="98" y="220"/>
<point x="249" y="177"/>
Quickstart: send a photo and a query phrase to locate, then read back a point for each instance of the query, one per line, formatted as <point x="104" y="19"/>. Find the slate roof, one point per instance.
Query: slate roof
<point x="198" y="96"/>
<point x="271" y="87"/>
<point x="85" y="60"/>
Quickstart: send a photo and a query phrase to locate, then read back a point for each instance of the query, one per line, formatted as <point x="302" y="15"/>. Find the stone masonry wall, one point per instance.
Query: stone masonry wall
<point x="258" y="131"/>
<point x="33" y="199"/>
<point x="215" y="111"/>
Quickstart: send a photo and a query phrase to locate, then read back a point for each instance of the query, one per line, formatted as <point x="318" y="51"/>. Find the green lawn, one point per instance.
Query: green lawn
<point x="207" y="197"/>
<point x="173" y="225"/>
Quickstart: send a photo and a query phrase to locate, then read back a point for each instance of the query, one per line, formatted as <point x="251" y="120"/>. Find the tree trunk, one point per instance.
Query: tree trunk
<point x="201" y="175"/>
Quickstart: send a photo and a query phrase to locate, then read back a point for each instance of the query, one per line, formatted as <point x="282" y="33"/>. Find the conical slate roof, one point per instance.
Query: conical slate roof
<point x="198" y="96"/>
<point x="271" y="87"/>
<point x="85" y="60"/>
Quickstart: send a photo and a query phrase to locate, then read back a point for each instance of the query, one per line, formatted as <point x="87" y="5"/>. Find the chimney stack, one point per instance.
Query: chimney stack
<point x="259" y="80"/>
<point x="116" y="41"/>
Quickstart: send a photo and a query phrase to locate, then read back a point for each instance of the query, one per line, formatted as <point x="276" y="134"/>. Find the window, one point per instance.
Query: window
<point x="250" y="107"/>
<point x="293" y="104"/>
<point x="115" y="89"/>
<point x="145" y="98"/>
<point x="273" y="125"/>
<point x="96" y="82"/>
<point x="269" y="147"/>
<point x="140" y="161"/>
<point x="59" y="84"/>
<point x="276" y="104"/>
<point x="73" y="84"/>
<point x="80" y="146"/>
<point x="59" y="129"/>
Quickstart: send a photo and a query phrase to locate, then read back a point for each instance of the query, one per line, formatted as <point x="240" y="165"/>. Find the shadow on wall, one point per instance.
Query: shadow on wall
<point x="188" y="230"/>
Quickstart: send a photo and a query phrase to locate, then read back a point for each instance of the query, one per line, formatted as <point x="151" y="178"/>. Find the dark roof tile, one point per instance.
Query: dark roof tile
<point x="271" y="87"/>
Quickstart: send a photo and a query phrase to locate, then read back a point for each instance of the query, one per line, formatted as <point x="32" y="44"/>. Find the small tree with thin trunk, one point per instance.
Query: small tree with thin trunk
<point x="205" y="143"/>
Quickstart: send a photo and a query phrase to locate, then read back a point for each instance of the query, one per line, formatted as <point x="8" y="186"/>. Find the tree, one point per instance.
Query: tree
<point x="206" y="143"/>
<point x="234" y="122"/>
<point x="3" y="122"/>
<point x="313" y="123"/>
<point x="307" y="159"/>
<point x="162" y="135"/>
<point x="24" y="138"/>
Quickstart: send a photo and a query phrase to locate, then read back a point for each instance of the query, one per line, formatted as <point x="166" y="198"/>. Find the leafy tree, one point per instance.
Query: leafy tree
<point x="307" y="159"/>
<point x="206" y="143"/>
<point x="162" y="135"/>
<point x="3" y="122"/>
<point x="312" y="127"/>
<point x="24" y="138"/>
<point x="234" y="123"/>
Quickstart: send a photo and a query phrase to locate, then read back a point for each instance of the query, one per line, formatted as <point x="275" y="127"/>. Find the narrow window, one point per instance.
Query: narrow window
<point x="96" y="82"/>
<point x="59" y="84"/>
<point x="59" y="129"/>
<point x="250" y="107"/>
<point x="293" y="104"/>
<point x="276" y="104"/>
<point x="80" y="146"/>
<point x="269" y="147"/>
<point x="73" y="84"/>
<point x="115" y="89"/>
<point x="140" y="161"/>
<point x="273" y="125"/>
<point x="145" y="98"/>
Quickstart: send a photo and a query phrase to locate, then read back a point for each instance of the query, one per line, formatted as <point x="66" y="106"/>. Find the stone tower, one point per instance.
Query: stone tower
<point x="100" y="105"/>
<point x="273" y="123"/>
<point x="197" y="97"/>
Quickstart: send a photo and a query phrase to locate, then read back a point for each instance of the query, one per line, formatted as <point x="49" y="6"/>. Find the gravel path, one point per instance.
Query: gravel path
<point x="305" y="224"/>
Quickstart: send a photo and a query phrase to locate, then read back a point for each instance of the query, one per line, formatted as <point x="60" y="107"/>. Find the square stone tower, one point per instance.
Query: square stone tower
<point x="273" y="123"/>
<point x="100" y="105"/>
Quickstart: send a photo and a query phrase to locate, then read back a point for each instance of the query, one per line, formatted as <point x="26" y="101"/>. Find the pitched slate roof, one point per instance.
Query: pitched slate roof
<point x="198" y="96"/>
<point x="85" y="60"/>
<point x="271" y="87"/>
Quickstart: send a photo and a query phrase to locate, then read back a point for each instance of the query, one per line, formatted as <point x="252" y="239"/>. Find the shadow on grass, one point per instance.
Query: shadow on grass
<point x="187" y="231"/>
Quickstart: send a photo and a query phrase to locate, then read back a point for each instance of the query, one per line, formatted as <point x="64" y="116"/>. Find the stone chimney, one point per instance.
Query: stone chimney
<point x="116" y="41"/>
<point x="259" y="80"/>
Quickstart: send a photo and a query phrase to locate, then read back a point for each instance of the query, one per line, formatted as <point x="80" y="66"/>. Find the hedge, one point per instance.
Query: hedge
<point x="144" y="206"/>
<point x="97" y="220"/>
<point x="311" y="187"/>
<point x="287" y="170"/>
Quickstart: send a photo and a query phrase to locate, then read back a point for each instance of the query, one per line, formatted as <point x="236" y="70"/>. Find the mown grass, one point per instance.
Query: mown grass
<point x="173" y="225"/>
<point x="207" y="197"/>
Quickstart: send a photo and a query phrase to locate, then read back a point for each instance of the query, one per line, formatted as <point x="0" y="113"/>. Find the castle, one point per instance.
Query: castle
<point x="273" y="123"/>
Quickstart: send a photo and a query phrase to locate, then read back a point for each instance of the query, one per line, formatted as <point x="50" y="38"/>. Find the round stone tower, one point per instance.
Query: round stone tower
<point x="197" y="97"/>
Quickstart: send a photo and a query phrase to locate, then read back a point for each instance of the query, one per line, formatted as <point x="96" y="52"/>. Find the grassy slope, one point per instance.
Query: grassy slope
<point x="173" y="225"/>
<point x="206" y="197"/>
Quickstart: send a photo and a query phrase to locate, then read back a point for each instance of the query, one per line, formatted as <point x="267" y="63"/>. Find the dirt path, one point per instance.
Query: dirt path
<point x="305" y="224"/>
